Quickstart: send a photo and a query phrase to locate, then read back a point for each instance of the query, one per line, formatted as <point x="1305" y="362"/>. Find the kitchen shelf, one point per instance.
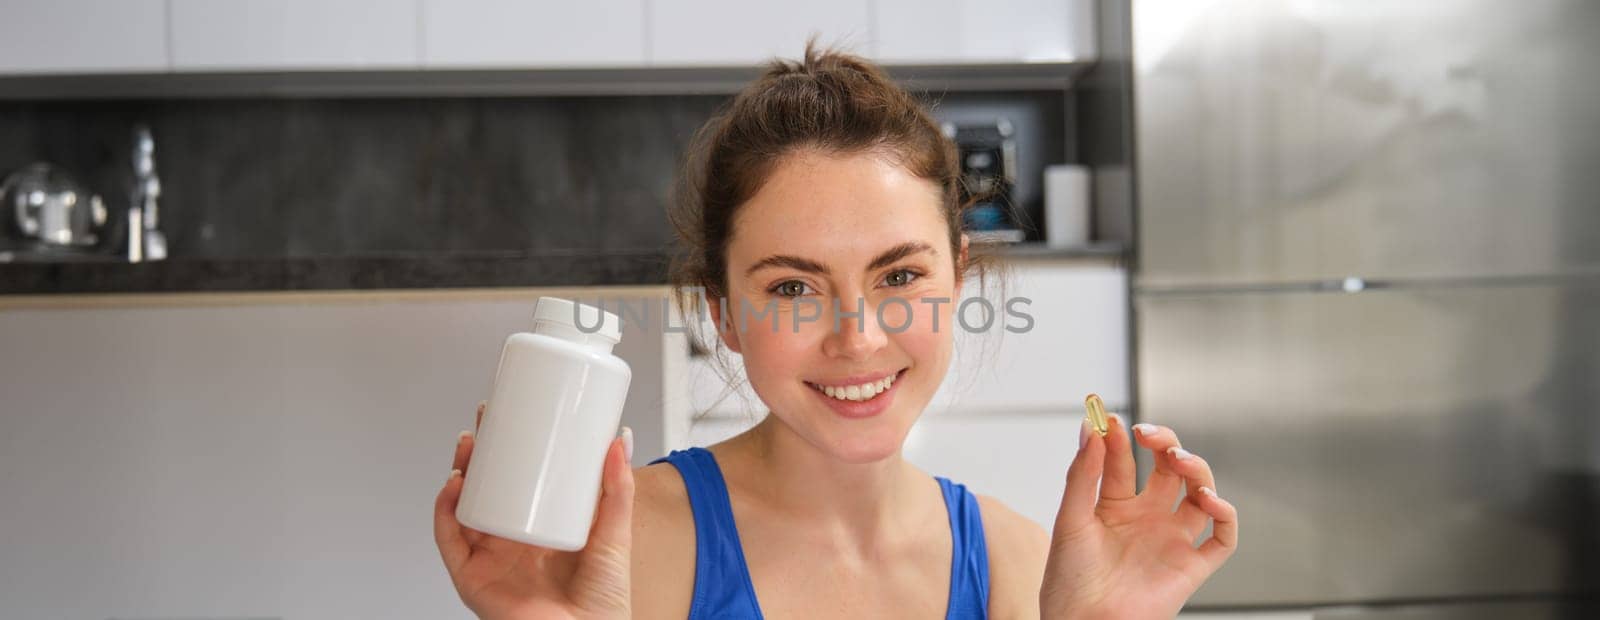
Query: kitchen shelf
<point x="504" y="82"/>
<point x="1113" y="250"/>
<point x="477" y="270"/>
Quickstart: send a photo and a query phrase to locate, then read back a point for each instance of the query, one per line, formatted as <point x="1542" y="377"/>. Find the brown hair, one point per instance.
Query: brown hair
<point x="829" y="101"/>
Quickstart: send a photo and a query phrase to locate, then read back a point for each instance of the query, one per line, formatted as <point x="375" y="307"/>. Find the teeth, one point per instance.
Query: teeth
<point x="865" y="391"/>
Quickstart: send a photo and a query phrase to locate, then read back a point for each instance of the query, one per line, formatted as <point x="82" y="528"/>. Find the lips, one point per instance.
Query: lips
<point x="856" y="389"/>
<point x="857" y="379"/>
<point x="859" y="397"/>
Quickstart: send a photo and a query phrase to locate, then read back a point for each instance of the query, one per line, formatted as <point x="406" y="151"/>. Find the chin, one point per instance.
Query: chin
<point x="857" y="454"/>
<point x="861" y="446"/>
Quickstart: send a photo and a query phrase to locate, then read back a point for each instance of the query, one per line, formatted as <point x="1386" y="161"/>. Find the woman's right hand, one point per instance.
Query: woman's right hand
<point x="505" y="579"/>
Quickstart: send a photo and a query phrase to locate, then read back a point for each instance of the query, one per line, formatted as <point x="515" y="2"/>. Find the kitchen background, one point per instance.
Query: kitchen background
<point x="1349" y="250"/>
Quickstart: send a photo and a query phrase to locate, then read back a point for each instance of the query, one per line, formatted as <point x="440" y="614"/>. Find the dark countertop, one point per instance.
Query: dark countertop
<point x="335" y="273"/>
<point x="478" y="270"/>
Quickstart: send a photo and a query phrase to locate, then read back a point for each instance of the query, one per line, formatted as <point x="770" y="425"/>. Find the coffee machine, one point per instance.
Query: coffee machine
<point x="988" y="155"/>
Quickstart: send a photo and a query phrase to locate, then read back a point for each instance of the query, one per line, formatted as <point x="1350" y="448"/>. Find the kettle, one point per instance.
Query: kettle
<point x="46" y="207"/>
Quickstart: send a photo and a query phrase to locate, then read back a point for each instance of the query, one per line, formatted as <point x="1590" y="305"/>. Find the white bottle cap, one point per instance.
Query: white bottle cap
<point x="580" y="323"/>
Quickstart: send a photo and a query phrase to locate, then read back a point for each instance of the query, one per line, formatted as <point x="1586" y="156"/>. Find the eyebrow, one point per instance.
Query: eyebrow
<point x="888" y="257"/>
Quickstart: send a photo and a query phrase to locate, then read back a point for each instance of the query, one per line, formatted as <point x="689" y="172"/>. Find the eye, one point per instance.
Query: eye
<point x="901" y="277"/>
<point x="789" y="288"/>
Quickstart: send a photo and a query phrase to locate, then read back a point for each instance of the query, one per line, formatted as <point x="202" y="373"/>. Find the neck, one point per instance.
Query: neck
<point x="860" y="505"/>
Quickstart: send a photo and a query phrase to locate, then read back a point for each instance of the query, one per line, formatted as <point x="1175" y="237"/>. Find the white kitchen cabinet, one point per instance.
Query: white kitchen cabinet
<point x="1019" y="458"/>
<point x="245" y="455"/>
<point x="110" y="36"/>
<point x="746" y="32"/>
<point x="83" y="36"/>
<point x="1078" y="344"/>
<point x="984" y="31"/>
<point x="211" y="35"/>
<point x="519" y="33"/>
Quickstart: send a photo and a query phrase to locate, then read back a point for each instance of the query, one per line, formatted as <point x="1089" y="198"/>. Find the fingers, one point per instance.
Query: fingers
<point x="464" y="443"/>
<point x="1224" y="531"/>
<point x="447" y="534"/>
<point x="612" y="534"/>
<point x="602" y="577"/>
<point x="1165" y="483"/>
<point x="1121" y="475"/>
<point x="479" y="420"/>
<point x="1083" y="477"/>
<point x="1196" y="474"/>
<point x="1176" y="469"/>
<point x="1194" y="470"/>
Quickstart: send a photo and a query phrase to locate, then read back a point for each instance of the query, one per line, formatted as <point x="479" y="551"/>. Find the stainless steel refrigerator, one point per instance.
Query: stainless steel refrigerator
<point x="1367" y="290"/>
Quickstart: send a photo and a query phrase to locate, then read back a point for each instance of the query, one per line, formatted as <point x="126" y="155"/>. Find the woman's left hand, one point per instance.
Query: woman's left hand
<point x="1114" y="554"/>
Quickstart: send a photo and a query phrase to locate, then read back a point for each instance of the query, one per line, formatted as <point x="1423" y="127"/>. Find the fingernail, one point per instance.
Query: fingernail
<point x="1144" y="430"/>
<point x="453" y="474"/>
<point x="463" y="437"/>
<point x="1121" y="423"/>
<point x="1207" y="491"/>
<point x="627" y="444"/>
<point x="1179" y="453"/>
<point x="1083" y="434"/>
<point x="482" y="404"/>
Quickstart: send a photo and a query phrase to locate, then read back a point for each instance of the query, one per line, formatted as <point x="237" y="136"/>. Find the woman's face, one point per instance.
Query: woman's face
<point x="828" y="235"/>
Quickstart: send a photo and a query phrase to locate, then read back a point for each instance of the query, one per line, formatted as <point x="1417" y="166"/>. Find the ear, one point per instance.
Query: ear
<point x="729" y="335"/>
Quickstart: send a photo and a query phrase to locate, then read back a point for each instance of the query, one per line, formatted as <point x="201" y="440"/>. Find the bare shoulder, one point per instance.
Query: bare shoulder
<point x="663" y="543"/>
<point x="1018" y="548"/>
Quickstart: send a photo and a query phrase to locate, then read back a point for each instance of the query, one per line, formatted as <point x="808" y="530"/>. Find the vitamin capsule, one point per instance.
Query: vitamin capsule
<point x="1097" y="414"/>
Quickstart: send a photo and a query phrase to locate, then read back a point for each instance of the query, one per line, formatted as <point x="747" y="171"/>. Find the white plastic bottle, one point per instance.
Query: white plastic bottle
<point x="557" y="399"/>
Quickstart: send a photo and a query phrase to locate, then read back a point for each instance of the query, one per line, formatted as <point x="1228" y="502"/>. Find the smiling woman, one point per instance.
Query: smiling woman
<point x="821" y="221"/>
<point x="827" y="193"/>
<point x="861" y="230"/>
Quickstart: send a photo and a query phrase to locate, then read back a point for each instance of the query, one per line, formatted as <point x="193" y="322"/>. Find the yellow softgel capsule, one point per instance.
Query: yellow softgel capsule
<point x="1097" y="414"/>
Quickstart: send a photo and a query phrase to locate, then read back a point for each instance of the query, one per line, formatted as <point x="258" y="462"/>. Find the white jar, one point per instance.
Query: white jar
<point x="1066" y="206"/>
<point x="554" y="409"/>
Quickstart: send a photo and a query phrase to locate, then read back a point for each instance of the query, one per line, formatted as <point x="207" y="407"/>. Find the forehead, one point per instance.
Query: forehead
<point x="835" y="207"/>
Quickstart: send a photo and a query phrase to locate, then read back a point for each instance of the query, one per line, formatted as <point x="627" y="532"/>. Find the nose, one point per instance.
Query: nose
<point x="854" y="332"/>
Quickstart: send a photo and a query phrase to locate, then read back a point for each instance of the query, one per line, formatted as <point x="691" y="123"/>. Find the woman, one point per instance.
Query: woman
<point x="825" y="186"/>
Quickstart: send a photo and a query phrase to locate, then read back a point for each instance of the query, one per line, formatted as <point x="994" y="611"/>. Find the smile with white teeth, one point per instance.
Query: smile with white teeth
<point x="858" y="393"/>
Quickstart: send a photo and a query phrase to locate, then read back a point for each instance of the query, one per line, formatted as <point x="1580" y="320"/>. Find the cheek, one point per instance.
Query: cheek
<point x="779" y="354"/>
<point x="927" y="334"/>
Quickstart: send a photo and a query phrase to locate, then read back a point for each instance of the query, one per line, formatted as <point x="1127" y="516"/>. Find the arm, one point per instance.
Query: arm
<point x="1018" y="548"/>
<point x="663" y="544"/>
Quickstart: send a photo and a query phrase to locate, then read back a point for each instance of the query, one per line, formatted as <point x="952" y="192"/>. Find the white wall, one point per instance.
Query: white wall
<point x="254" y="459"/>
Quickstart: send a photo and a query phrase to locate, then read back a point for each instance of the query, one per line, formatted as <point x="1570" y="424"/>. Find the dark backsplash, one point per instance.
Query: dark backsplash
<point x="258" y="178"/>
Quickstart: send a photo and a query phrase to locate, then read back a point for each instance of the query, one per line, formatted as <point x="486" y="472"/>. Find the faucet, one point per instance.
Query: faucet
<point x="145" y="242"/>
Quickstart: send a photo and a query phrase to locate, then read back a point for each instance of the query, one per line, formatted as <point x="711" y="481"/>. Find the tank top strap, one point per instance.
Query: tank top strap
<point x="722" y="586"/>
<point x="969" y="557"/>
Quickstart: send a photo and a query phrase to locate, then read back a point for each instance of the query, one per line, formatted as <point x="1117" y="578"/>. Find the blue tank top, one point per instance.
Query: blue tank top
<point x="722" y="586"/>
